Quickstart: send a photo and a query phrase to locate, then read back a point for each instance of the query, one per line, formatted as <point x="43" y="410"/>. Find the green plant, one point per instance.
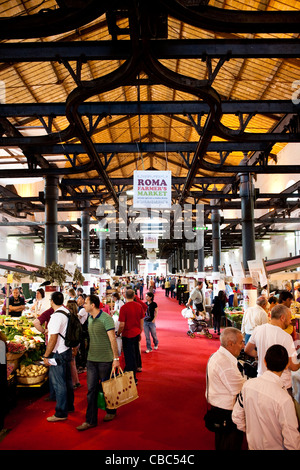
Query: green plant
<point x="16" y="275"/>
<point x="54" y="273"/>
<point x="78" y="277"/>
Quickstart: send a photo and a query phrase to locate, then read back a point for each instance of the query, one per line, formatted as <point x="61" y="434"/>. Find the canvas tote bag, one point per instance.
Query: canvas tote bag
<point x="119" y="389"/>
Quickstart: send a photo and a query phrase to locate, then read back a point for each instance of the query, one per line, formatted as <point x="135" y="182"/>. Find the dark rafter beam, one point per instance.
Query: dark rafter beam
<point x="131" y="108"/>
<point x="87" y="196"/>
<point x="49" y="22"/>
<point x="161" y="48"/>
<point x="129" y="181"/>
<point x="233" y="21"/>
<point x="131" y="147"/>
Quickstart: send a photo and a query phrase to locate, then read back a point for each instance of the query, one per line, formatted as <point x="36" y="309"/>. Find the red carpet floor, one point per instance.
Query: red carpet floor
<point x="167" y="416"/>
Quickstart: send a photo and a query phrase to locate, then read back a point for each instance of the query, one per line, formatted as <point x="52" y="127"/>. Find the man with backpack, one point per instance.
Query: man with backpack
<point x="58" y="357"/>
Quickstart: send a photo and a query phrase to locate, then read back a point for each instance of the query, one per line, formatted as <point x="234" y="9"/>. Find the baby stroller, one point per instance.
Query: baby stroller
<point x="197" y="321"/>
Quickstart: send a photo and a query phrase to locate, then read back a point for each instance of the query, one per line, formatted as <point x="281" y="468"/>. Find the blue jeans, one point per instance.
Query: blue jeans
<point x="96" y="372"/>
<point x="230" y="300"/>
<point x="61" y="381"/>
<point x="141" y="293"/>
<point x="150" y="327"/>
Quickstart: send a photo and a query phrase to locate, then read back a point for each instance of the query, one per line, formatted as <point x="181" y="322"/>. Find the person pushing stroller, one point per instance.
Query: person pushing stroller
<point x="197" y="317"/>
<point x="196" y="297"/>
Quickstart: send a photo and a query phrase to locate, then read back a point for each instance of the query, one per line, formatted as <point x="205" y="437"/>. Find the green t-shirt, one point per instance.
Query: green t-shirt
<point x="100" y="347"/>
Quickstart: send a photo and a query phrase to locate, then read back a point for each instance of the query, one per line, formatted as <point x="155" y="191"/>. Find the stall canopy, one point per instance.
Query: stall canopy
<point x="283" y="264"/>
<point x="18" y="266"/>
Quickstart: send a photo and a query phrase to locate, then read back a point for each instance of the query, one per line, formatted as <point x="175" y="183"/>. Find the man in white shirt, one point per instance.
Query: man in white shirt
<point x="224" y="382"/>
<point x="265" y="411"/>
<point x="255" y="316"/>
<point x="82" y="313"/>
<point x="60" y="373"/>
<point x="272" y="333"/>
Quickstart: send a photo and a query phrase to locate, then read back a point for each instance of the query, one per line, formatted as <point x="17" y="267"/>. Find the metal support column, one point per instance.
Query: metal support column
<point x="131" y="262"/>
<point x="179" y="257"/>
<point x="216" y="237"/>
<point x="125" y="266"/>
<point x="176" y="259"/>
<point x="170" y="264"/>
<point x="247" y="214"/>
<point x="102" y="254"/>
<point x="51" y="238"/>
<point x="201" y="260"/>
<point x="113" y="255"/>
<point x="119" y="254"/>
<point x="191" y="261"/>
<point x="184" y="256"/>
<point x="128" y="262"/>
<point x="85" y="240"/>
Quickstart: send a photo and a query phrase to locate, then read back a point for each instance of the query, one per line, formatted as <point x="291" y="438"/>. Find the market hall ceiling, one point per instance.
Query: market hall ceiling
<point x="97" y="89"/>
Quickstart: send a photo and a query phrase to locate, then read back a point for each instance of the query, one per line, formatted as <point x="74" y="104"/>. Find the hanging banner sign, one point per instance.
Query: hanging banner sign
<point x="152" y="189"/>
<point x="258" y="272"/>
<point x="228" y="270"/>
<point x="150" y="241"/>
<point x="237" y="270"/>
<point x="151" y="254"/>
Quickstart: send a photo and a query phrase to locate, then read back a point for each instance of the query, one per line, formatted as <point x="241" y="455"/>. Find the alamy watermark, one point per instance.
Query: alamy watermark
<point x="127" y="222"/>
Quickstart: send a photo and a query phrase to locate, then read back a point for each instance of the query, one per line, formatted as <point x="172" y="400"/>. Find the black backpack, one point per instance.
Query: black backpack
<point x="74" y="330"/>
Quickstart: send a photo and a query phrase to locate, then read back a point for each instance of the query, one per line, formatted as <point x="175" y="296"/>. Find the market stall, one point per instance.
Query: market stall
<point x="234" y="316"/>
<point x="3" y="381"/>
<point x="25" y="346"/>
<point x="279" y="280"/>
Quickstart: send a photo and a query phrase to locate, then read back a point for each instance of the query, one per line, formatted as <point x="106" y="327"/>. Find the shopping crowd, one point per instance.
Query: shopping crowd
<point x="261" y="409"/>
<point x="107" y="332"/>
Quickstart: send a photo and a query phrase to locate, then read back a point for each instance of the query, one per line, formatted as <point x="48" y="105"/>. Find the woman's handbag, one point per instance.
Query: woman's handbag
<point x="119" y="389"/>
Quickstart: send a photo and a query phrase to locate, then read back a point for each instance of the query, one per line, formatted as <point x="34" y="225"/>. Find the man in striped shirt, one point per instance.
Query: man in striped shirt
<point x="102" y="358"/>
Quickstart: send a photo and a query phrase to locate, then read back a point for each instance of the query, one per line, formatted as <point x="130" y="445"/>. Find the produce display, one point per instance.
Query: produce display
<point x="235" y="316"/>
<point x="20" y="334"/>
<point x="15" y="347"/>
<point x="32" y="370"/>
<point x="295" y="308"/>
<point x="25" y="346"/>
